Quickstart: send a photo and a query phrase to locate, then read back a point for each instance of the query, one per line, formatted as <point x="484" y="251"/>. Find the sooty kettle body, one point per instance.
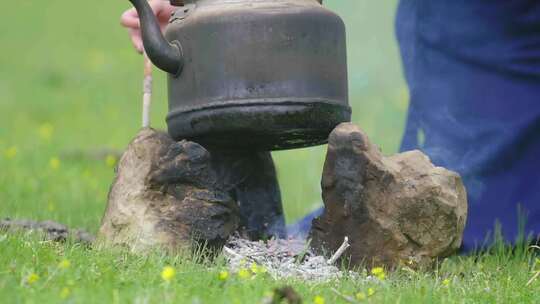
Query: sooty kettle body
<point x="251" y="74"/>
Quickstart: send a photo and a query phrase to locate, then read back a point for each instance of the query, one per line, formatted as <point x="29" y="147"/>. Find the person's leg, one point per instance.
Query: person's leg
<point x="475" y="90"/>
<point x="475" y="105"/>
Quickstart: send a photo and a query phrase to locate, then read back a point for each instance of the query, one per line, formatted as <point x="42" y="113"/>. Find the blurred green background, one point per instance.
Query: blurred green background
<point x="70" y="81"/>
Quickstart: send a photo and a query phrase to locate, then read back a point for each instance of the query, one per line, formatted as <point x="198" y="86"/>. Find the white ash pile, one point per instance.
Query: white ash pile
<point x="284" y="258"/>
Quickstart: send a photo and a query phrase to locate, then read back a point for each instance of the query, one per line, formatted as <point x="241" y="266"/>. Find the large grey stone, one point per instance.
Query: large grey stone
<point x="397" y="209"/>
<point x="167" y="194"/>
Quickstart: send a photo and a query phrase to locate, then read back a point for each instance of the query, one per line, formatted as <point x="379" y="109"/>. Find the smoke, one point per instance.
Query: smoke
<point x="251" y="179"/>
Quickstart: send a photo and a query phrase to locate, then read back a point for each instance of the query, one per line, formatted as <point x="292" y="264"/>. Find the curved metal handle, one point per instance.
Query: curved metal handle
<point x="166" y="56"/>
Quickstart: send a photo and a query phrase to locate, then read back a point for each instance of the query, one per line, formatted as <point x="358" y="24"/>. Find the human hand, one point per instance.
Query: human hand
<point x="130" y="20"/>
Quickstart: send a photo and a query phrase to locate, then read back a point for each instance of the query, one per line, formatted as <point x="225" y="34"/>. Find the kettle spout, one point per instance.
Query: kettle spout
<point x="166" y="56"/>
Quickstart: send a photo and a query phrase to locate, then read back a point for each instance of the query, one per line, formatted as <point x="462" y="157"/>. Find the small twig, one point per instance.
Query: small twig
<point x="537" y="273"/>
<point x="231" y="252"/>
<point x="339" y="252"/>
<point x="147" y="92"/>
<point x="344" y="297"/>
<point x="534" y="277"/>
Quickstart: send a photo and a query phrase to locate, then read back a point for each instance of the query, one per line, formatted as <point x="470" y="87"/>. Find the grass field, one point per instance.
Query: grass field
<point x="69" y="81"/>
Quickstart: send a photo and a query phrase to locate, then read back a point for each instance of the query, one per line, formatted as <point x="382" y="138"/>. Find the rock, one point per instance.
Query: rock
<point x="397" y="209"/>
<point x="51" y="230"/>
<point x="166" y="194"/>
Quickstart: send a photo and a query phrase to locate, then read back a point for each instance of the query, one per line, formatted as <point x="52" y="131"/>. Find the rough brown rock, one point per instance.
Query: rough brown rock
<point x="166" y="194"/>
<point x="397" y="209"/>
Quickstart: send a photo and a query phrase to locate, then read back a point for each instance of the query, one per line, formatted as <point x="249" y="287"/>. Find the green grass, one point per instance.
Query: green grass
<point x="70" y="81"/>
<point x="107" y="276"/>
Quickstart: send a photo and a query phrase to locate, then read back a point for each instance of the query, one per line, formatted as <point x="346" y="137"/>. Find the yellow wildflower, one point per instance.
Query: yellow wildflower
<point x="110" y="161"/>
<point x="51" y="207"/>
<point x="379" y="273"/>
<point x="223" y="276"/>
<point x="243" y="273"/>
<point x="32" y="278"/>
<point x="318" y="300"/>
<point x="360" y="296"/>
<point x="446" y="282"/>
<point x="54" y="163"/>
<point x="11" y="152"/>
<point x="64" y="264"/>
<point x="168" y="273"/>
<point x="256" y="269"/>
<point x="370" y="292"/>
<point x="46" y="131"/>
<point x="65" y="292"/>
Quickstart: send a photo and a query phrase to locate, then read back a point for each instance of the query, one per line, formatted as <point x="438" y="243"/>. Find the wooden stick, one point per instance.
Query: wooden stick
<point x="534" y="277"/>
<point x="147" y="92"/>
<point x="339" y="252"/>
<point x="231" y="252"/>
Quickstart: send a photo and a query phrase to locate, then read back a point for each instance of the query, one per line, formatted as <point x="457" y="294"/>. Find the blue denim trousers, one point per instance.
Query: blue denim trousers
<point x="473" y="71"/>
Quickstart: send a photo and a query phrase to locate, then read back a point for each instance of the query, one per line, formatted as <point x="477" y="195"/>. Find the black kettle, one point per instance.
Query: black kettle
<point x="251" y="74"/>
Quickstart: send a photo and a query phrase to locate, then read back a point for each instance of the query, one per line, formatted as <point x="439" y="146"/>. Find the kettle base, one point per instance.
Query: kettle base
<point x="261" y="126"/>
